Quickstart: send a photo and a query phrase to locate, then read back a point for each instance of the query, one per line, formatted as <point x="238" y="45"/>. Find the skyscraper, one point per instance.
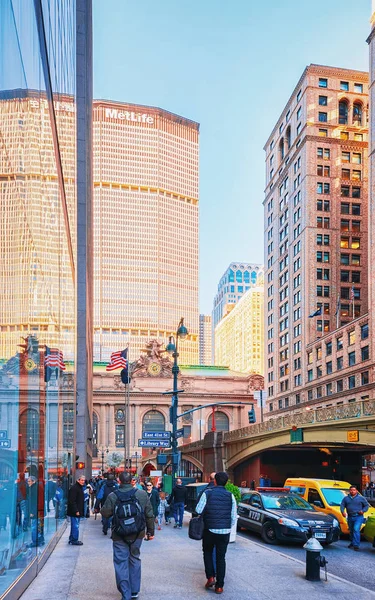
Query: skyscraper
<point x="145" y="228"/>
<point x="316" y="222"/>
<point x="239" y="336"/>
<point x="205" y="340"/>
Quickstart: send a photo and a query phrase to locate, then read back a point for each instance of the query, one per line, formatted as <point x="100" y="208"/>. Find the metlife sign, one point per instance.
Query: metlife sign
<point x="126" y="115"/>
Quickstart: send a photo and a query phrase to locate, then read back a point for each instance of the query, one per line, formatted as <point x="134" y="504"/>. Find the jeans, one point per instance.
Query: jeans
<point x="107" y="522"/>
<point x="354" y="524"/>
<point x="178" y="512"/>
<point x="37" y="531"/>
<point x="127" y="563"/>
<point x="74" y="529"/>
<point x="218" y="541"/>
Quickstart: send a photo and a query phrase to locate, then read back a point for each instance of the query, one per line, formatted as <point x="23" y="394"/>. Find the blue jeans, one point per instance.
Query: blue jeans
<point x="106" y="523"/>
<point x="37" y="531"/>
<point x="74" y="529"/>
<point x="127" y="563"/>
<point x="178" y="512"/>
<point x="354" y="524"/>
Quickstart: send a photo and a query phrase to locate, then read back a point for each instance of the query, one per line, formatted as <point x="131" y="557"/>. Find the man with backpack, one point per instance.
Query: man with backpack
<point x="132" y="514"/>
<point x="107" y="488"/>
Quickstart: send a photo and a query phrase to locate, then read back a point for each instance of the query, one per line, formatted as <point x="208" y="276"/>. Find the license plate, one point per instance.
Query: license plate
<point x="320" y="536"/>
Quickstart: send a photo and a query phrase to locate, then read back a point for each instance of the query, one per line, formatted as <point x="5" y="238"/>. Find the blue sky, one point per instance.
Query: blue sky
<point x="231" y="66"/>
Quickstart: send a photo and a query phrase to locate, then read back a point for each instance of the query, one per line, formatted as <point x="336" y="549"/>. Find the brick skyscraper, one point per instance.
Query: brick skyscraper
<point x="316" y="223"/>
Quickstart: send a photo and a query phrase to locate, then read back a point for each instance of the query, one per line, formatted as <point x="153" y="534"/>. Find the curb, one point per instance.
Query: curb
<point x="292" y="558"/>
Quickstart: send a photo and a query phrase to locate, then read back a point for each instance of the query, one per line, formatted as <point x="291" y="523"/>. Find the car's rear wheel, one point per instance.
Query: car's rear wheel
<point x="269" y="533"/>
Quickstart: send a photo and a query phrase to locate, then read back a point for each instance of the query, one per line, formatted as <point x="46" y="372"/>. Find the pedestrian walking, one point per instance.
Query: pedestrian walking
<point x="76" y="510"/>
<point x="107" y="488"/>
<point x="353" y="506"/>
<point x="126" y="548"/>
<point x="153" y="495"/>
<point x="35" y="501"/>
<point x="219" y="515"/>
<point x="59" y="501"/>
<point x="179" y="501"/>
<point x="162" y="510"/>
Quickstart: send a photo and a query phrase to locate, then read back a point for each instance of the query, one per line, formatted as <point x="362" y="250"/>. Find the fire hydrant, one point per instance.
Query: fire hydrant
<point x="314" y="561"/>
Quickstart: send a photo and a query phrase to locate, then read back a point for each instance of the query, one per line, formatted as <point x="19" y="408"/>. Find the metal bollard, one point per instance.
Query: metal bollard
<point x="313" y="560"/>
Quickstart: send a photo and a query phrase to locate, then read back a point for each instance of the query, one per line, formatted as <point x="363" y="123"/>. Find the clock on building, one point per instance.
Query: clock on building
<point x="154" y="369"/>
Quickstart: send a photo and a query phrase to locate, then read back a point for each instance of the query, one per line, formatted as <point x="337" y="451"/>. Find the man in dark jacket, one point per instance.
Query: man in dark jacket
<point x="76" y="510"/>
<point x="126" y="552"/>
<point x="154" y="497"/>
<point x="178" y="497"/>
<point x="219" y="516"/>
<point x="107" y="488"/>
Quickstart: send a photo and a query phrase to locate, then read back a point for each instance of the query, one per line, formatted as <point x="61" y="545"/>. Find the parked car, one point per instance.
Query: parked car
<point x="325" y="495"/>
<point x="280" y="515"/>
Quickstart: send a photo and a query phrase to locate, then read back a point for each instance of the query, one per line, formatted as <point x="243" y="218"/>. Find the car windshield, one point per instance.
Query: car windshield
<point x="285" y="502"/>
<point x="334" y="496"/>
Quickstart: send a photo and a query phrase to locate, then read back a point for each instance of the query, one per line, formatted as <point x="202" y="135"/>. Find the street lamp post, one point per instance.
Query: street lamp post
<point x="172" y="348"/>
<point x="107" y="450"/>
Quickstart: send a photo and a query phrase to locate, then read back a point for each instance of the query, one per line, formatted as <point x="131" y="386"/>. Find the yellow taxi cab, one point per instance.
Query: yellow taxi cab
<point x="325" y="495"/>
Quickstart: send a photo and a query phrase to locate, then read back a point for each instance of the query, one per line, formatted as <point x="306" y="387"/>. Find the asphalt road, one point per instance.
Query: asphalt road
<point x="357" y="567"/>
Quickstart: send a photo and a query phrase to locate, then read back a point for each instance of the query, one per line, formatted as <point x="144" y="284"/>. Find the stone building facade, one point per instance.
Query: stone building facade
<point x="148" y="407"/>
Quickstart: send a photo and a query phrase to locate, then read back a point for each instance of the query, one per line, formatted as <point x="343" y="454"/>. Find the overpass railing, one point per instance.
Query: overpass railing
<point x="305" y="416"/>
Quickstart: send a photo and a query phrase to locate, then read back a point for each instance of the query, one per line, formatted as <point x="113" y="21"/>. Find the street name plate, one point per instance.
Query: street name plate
<point x="179" y="433"/>
<point x="352" y="436"/>
<point x="154" y="443"/>
<point x="4" y="443"/>
<point x="156" y="435"/>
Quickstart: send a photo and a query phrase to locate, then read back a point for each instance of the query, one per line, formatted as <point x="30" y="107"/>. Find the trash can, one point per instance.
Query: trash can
<point x="193" y="492"/>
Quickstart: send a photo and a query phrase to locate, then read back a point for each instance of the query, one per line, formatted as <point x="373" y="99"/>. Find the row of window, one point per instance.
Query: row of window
<point x="344" y="85"/>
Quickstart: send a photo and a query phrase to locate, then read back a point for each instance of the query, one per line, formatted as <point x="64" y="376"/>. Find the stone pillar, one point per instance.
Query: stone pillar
<point x="111" y="427"/>
<point x="84" y="233"/>
<point x="102" y="427"/>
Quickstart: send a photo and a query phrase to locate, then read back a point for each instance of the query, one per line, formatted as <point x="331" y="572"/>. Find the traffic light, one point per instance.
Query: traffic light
<point x="80" y="465"/>
<point x="125" y="377"/>
<point x="252" y="417"/>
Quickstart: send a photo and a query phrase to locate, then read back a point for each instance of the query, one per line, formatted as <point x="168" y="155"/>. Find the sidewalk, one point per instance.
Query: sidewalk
<point x="172" y="567"/>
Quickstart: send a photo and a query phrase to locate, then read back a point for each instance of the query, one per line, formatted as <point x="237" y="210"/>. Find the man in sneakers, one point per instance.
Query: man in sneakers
<point x="126" y="553"/>
<point x="355" y="505"/>
<point x="76" y="510"/>
<point x="178" y="497"/>
<point x="220" y="513"/>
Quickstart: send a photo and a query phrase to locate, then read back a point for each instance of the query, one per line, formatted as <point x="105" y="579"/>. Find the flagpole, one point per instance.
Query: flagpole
<point x="127" y="424"/>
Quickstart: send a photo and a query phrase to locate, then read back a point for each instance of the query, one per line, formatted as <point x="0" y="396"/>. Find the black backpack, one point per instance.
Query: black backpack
<point x="128" y="516"/>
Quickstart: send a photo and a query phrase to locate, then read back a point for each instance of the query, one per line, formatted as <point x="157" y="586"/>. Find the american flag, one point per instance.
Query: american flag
<point x="54" y="358"/>
<point x="352" y="293"/>
<point x="119" y="360"/>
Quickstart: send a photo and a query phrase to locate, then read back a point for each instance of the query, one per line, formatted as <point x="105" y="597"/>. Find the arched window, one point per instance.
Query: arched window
<point x="239" y="276"/>
<point x="343" y="112"/>
<point x="221" y="421"/>
<point x="153" y="421"/>
<point x="281" y="148"/>
<point x="253" y="277"/>
<point x="246" y="277"/>
<point x="29" y="429"/>
<point x="288" y="136"/>
<point x="357" y="113"/>
<point x="231" y="275"/>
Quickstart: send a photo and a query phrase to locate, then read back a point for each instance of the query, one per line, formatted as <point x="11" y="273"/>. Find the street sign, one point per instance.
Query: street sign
<point x="3" y="434"/>
<point x="352" y="436"/>
<point x="156" y="435"/>
<point x="179" y="433"/>
<point x="4" y="443"/>
<point x="154" y="443"/>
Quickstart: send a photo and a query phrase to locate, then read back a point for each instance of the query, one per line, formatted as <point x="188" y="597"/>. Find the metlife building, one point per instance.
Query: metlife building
<point x="145" y="228"/>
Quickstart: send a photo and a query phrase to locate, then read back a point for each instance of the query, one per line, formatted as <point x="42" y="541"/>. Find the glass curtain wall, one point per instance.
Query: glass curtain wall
<point x="37" y="273"/>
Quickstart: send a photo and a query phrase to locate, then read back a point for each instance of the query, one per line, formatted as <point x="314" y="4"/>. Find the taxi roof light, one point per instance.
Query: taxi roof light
<point x="272" y="489"/>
